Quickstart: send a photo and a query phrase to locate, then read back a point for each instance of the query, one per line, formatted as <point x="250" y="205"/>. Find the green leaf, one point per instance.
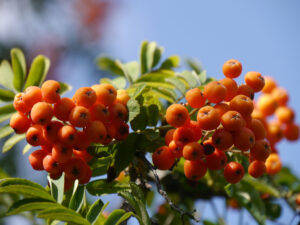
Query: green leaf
<point x="125" y="217"/>
<point x="114" y="217"/>
<point x="273" y="210"/>
<point x="133" y="109"/>
<point x="171" y="62"/>
<point x="118" y="83"/>
<point x="157" y="76"/>
<point x="12" y="141"/>
<point x="26" y="190"/>
<point x="20" y="181"/>
<point x="108" y="64"/>
<point x="139" y="90"/>
<point x="194" y="65"/>
<point x="190" y="77"/>
<point x="6" y="95"/>
<point x="26" y="149"/>
<point x="95" y="211"/>
<point x="99" y="151"/>
<point x="100" y="187"/>
<point x="131" y="70"/>
<point x="5" y="131"/>
<point x="262" y="186"/>
<point x="30" y="204"/>
<point x="248" y="197"/>
<point x="6" y="112"/>
<point x="157" y="55"/>
<point x="164" y="94"/>
<point x="140" y="121"/>
<point x="143" y="57"/>
<point x="63" y="214"/>
<point x="64" y="88"/>
<point x="19" y="68"/>
<point x="100" y="166"/>
<point x="124" y="153"/>
<point x="202" y="77"/>
<point x="177" y="83"/>
<point x="150" y="54"/>
<point x="38" y="71"/>
<point x="6" y="75"/>
<point x="57" y="188"/>
<point x="77" y="198"/>
<point x="152" y="115"/>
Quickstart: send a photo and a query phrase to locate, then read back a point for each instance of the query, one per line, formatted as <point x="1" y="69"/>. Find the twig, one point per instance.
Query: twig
<point x="165" y="195"/>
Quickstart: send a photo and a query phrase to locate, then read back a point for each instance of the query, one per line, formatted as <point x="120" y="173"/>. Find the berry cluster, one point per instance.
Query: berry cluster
<point x="227" y="120"/>
<point x="65" y="127"/>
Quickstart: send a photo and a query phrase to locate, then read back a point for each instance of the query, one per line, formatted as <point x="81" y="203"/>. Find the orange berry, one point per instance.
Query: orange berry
<point x="267" y="104"/>
<point x="273" y="164"/>
<point x="242" y="104"/>
<point x="36" y="159"/>
<point x="176" y="149"/>
<point x="83" y="154"/>
<point x="233" y="203"/>
<point x="258" y="129"/>
<point x="80" y="116"/>
<point x="257" y="168"/>
<point x="122" y="97"/>
<point x="193" y="151"/>
<point x="195" y="98"/>
<point x="208" y="146"/>
<point x="169" y="136"/>
<point x="222" y="139"/>
<point x="291" y="132"/>
<point x="85" y="97"/>
<point x="63" y="108"/>
<point x="233" y="172"/>
<point x="32" y="95"/>
<point x="20" y="123"/>
<point x="111" y="130"/>
<point x="50" y="131"/>
<point x="246" y="90"/>
<point x="285" y="114"/>
<point x="244" y="139"/>
<point x="255" y="80"/>
<point x="99" y="112"/>
<point x="232" y="68"/>
<point x="270" y="84"/>
<point x="106" y="93"/>
<point x="61" y="154"/>
<point x="68" y="184"/>
<point x="163" y="158"/>
<point x="232" y="121"/>
<point x="217" y="160"/>
<point x="215" y="92"/>
<point x="50" y="91"/>
<point x="87" y="177"/>
<point x="208" y="118"/>
<point x="194" y="170"/>
<point x="20" y="105"/>
<point x="261" y="150"/>
<point x="41" y="113"/>
<point x="83" y="141"/>
<point x="96" y="131"/>
<point x="195" y="126"/>
<point x="280" y="95"/>
<point x="50" y="165"/>
<point x="298" y="199"/>
<point x="122" y="131"/>
<point x="75" y="168"/>
<point x="183" y="135"/>
<point x="34" y="135"/>
<point x="177" y="115"/>
<point x="256" y="114"/>
<point x="118" y="112"/>
<point x="231" y="87"/>
<point x="222" y="108"/>
<point x="274" y="132"/>
<point x="67" y="135"/>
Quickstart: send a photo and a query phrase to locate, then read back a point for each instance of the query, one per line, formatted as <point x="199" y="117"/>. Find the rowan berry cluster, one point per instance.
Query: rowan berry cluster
<point x="64" y="128"/>
<point x="227" y="121"/>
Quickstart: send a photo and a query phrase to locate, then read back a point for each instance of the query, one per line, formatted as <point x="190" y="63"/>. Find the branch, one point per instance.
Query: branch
<point x="165" y="195"/>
